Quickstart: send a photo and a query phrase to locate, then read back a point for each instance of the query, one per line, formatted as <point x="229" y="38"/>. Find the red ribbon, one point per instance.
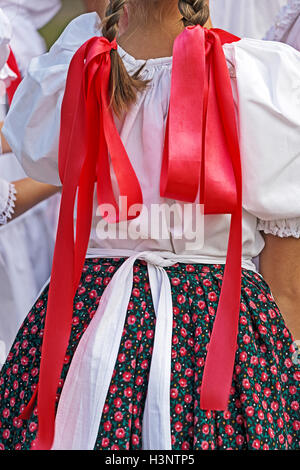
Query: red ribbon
<point x="88" y="138"/>
<point x="202" y="151"/>
<point x="12" y="63"/>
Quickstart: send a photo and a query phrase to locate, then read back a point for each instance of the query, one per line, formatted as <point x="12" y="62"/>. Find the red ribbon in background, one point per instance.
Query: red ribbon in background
<point x="12" y="63"/>
<point x="202" y="152"/>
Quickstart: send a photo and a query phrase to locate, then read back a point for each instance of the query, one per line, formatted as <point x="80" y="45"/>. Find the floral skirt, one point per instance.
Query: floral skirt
<point x="263" y="411"/>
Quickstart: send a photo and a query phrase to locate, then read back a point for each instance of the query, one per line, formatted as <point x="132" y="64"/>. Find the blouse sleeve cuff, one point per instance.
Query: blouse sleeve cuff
<point x="281" y="228"/>
<point x="7" y="202"/>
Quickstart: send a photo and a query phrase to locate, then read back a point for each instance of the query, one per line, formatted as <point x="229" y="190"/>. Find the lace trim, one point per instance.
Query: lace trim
<point x="281" y="228"/>
<point x="284" y="20"/>
<point x="8" y="212"/>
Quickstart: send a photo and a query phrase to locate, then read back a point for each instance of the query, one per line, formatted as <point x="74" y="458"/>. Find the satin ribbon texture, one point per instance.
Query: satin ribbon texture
<point x="88" y="138"/>
<point x="202" y="152"/>
<point x="12" y="63"/>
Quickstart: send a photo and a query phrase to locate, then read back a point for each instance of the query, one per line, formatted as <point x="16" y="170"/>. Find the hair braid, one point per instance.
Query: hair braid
<point x="123" y="87"/>
<point x="194" y="12"/>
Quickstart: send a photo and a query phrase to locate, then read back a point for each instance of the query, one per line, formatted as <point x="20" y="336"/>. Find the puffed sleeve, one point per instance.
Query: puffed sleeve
<point x="267" y="89"/>
<point x="32" y="125"/>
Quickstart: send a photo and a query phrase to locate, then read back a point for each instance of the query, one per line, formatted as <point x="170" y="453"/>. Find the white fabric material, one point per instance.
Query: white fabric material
<point x="86" y="386"/>
<point x="6" y="74"/>
<point x="92" y="366"/>
<point x="26" y="243"/>
<point x="245" y="18"/>
<point x="281" y="228"/>
<point x="41" y="11"/>
<point x="270" y="153"/>
<point x="26" y="249"/>
<point x="26" y="17"/>
<point x="287" y="25"/>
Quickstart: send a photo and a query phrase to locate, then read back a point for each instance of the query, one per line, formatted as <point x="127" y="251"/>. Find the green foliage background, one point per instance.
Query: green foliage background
<point x="70" y="9"/>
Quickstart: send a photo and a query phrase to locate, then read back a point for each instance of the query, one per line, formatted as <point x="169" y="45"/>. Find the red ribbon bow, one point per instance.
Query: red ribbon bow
<point x="88" y="138"/>
<point x="201" y="149"/>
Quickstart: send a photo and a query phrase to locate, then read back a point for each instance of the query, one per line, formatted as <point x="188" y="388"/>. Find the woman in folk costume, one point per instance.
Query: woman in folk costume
<point x="26" y="244"/>
<point x="287" y="25"/>
<point x="144" y="342"/>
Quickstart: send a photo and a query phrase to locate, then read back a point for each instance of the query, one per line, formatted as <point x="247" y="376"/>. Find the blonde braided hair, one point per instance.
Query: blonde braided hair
<point x="124" y="87"/>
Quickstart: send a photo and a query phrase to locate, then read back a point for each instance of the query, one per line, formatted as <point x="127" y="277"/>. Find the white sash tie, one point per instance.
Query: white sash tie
<point x="87" y="383"/>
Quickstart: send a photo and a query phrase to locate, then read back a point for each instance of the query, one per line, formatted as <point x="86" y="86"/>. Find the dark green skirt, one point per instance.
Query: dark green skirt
<point x="263" y="411"/>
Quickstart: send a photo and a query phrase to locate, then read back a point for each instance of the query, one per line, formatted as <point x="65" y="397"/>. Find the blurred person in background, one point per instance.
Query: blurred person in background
<point x="27" y="242"/>
<point x="286" y="27"/>
<point x="245" y="18"/>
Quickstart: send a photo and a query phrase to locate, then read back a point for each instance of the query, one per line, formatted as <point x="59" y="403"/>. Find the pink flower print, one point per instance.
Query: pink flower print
<point x="149" y="334"/>
<point x="120" y="433"/>
<point x="250" y="411"/>
<point x="181" y="299"/>
<point x="131" y="319"/>
<point x="135" y="439"/>
<point x="229" y="430"/>
<point x="118" y="402"/>
<point x="121" y="357"/>
<point x="6" y="434"/>
<point x="127" y="376"/>
<point x="212" y="296"/>
<point x="256" y="444"/>
<point x="32" y="427"/>
<point x="178" y="426"/>
<point x="118" y="416"/>
<point x="93" y="294"/>
<point x="107" y="426"/>
<point x="185" y="446"/>
<point x="6" y="413"/>
<point x="139" y="380"/>
<point x="105" y="442"/>
<point x="183" y="383"/>
<point x="136" y="292"/>
<point x="178" y="408"/>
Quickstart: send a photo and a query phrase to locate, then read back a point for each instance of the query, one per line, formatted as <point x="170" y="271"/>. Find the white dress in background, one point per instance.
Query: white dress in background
<point x="26" y="243"/>
<point x="287" y="25"/>
<point x="245" y="18"/>
<point x="26" y="17"/>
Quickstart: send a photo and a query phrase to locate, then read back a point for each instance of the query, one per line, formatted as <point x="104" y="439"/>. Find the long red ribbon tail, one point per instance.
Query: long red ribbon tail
<point x="202" y="148"/>
<point x="219" y="365"/>
<point x="87" y="124"/>
<point x="12" y="63"/>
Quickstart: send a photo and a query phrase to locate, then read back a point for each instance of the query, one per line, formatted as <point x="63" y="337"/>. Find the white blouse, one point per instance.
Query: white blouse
<point x="287" y="25"/>
<point x="245" y="18"/>
<point x="267" y="103"/>
<point x="26" y="17"/>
